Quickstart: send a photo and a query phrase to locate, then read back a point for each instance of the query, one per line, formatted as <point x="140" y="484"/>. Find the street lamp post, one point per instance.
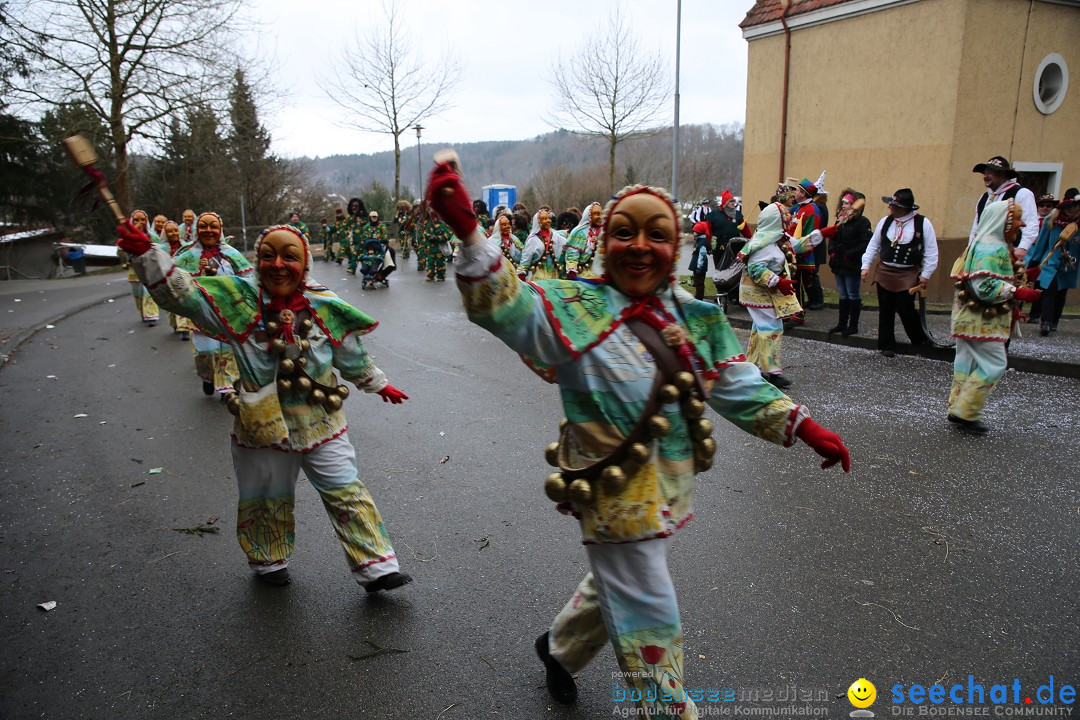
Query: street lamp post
<point x="419" y="164"/>
<point x="675" y="133"/>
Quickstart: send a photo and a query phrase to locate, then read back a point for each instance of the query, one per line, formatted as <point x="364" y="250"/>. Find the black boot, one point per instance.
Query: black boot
<point x="560" y="683"/>
<point x="842" y="323"/>
<point x="1044" y="330"/>
<point x="853" y="320"/>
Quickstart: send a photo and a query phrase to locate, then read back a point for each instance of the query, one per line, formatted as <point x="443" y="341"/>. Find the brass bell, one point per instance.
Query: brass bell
<point x="971" y="305"/>
<point x="563" y="423"/>
<point x="303" y="384"/>
<point x="702" y="464"/>
<point x="233" y="404"/>
<point x="302" y="362"/>
<point x="701" y="429"/>
<point x="962" y="296"/>
<point x="988" y="313"/>
<point x="658" y="426"/>
<point x="555" y="487"/>
<point x="272" y="327"/>
<point x="638" y="453"/>
<point x="693" y="408"/>
<point x="668" y="394"/>
<point x="683" y="380"/>
<point x="707" y="446"/>
<point x="277" y="346"/>
<point x="317" y="397"/>
<point x="551" y="454"/>
<point x="342" y="390"/>
<point x="285" y="385"/>
<point x="581" y="492"/>
<point x="333" y="402"/>
<point x="614" y="478"/>
<point x="305" y="345"/>
<point x="287" y="366"/>
<point x="958" y="284"/>
<point x="305" y="326"/>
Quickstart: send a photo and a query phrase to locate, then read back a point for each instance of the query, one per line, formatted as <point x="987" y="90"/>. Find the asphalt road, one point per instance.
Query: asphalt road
<point x="939" y="556"/>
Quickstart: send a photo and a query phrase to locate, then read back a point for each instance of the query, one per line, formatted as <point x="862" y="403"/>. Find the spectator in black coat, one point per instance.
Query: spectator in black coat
<point x="847" y="243"/>
<point x="725" y="222"/>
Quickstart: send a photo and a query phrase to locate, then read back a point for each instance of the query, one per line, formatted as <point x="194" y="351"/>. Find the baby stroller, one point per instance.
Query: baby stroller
<point x="375" y="264"/>
<point x="728" y="273"/>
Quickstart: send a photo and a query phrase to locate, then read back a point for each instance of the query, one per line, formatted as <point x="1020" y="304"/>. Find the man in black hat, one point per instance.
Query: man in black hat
<point x="1000" y="180"/>
<point x="909" y="255"/>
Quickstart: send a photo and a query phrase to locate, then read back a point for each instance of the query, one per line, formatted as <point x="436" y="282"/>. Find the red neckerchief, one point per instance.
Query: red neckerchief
<point x="295" y="302"/>
<point x="211" y="251"/>
<point x="173" y="247"/>
<point x="652" y="312"/>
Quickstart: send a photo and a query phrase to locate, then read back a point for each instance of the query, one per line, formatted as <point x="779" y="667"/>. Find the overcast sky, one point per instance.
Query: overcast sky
<point x="506" y="48"/>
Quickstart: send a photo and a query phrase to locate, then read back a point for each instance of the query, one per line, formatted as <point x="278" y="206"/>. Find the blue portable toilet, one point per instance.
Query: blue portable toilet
<point x="496" y="195"/>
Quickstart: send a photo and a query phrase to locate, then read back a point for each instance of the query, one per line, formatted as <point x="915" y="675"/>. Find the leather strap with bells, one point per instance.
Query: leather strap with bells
<point x="672" y="383"/>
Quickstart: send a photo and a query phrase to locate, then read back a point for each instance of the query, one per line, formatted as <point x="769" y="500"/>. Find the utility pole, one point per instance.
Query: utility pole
<point x="675" y="135"/>
<point x="419" y="164"/>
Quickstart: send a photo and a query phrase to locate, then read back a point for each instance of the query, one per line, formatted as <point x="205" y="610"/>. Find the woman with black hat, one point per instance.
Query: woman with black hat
<point x="908" y="247"/>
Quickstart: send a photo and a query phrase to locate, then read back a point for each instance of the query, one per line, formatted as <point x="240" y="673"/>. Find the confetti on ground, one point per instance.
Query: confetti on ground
<point x="47" y="606"/>
<point x="49" y="327"/>
<point x="445" y="459"/>
<point x="155" y="471"/>
<point x="50" y="377"/>
<point x="80" y="415"/>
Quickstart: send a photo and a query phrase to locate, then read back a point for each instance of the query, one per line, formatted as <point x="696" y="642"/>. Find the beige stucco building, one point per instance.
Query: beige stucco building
<point x="885" y="94"/>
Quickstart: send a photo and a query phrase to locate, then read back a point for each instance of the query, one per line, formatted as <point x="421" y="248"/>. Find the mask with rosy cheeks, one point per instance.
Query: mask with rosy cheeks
<point x="139" y="220"/>
<point x="640" y="241"/>
<point x="208" y="229"/>
<point x="282" y="260"/>
<point x="595" y="214"/>
<point x="172" y="232"/>
<point x="545" y="220"/>
<point x="504" y="226"/>
<point x="159" y="223"/>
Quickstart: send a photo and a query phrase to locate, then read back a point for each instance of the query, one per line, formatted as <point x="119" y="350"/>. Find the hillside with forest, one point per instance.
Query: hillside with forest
<point x="560" y="167"/>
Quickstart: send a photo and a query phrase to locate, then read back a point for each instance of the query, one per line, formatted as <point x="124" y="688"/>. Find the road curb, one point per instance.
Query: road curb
<point x="1016" y="362"/>
<point x="15" y="341"/>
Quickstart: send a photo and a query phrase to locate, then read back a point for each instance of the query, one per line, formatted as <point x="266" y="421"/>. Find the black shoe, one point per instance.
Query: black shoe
<point x="975" y="427"/>
<point x="388" y="582"/>
<point x="848" y="332"/>
<point x="816" y="306"/>
<point x="838" y="329"/>
<point x="278" y="577"/>
<point x="888" y="353"/>
<point x="185" y="335"/>
<point x="207" y="388"/>
<point x="776" y="379"/>
<point x="560" y="683"/>
<point x="1053" y="328"/>
<point x="1045" y="329"/>
<point x="151" y="323"/>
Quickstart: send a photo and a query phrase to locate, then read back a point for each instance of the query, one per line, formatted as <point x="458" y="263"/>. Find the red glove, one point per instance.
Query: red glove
<point x="132" y="240"/>
<point x="446" y="194"/>
<point x="825" y="443"/>
<point x="571" y="274"/>
<point x="785" y="286"/>
<point x="1026" y="295"/>
<point x="391" y="394"/>
<point x="1032" y="273"/>
<point x="828" y="232"/>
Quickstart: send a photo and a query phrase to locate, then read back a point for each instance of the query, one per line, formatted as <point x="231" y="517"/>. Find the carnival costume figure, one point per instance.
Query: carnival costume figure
<point x="289" y="335"/>
<point x="541" y="258"/>
<point x="351" y="241"/>
<point x="982" y="315"/>
<point x="805" y="218"/>
<point x="507" y="241"/>
<point x="144" y="304"/>
<point x="1055" y="261"/>
<point x="767" y="289"/>
<point x="211" y="256"/>
<point x="187" y="227"/>
<point x="402" y="217"/>
<point x="582" y="244"/>
<point x="170" y="243"/>
<point x="438" y="246"/>
<point x="636" y="360"/>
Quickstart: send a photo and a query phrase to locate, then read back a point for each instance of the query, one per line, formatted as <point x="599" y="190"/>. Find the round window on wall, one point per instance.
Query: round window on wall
<point x="1051" y="83"/>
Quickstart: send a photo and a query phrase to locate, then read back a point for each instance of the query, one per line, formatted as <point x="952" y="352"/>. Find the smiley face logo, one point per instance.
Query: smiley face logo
<point x="862" y="693"/>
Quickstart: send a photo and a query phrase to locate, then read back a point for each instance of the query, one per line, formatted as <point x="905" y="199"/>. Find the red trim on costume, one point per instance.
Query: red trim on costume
<point x="791" y="427"/>
<point x="983" y="273"/>
<point x="163" y="280"/>
<point x="657" y="536"/>
<point x="242" y="337"/>
<point x="491" y="270"/>
<point x="971" y="338"/>
<point x="755" y="305"/>
<point x="301" y="451"/>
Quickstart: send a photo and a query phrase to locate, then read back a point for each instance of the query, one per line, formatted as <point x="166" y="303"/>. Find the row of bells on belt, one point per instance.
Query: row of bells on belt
<point x="615" y="477"/>
<point x="967" y="299"/>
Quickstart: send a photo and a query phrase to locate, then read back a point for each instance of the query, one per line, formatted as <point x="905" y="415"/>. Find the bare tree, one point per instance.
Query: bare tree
<point x="133" y="62"/>
<point x="385" y="85"/>
<point x="610" y="88"/>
